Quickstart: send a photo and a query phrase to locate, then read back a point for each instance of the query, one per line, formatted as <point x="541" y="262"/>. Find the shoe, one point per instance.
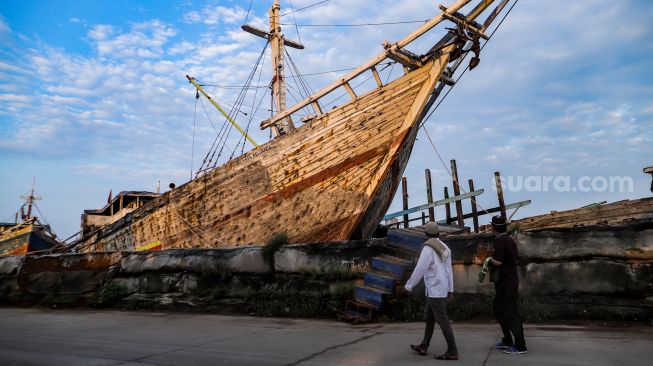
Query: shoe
<point x="501" y="345"/>
<point x="419" y="349"/>
<point x="446" y="356"/>
<point x="515" y="351"/>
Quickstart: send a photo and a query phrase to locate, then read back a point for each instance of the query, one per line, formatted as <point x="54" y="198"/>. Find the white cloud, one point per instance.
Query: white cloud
<point x="4" y="28"/>
<point x="213" y="15"/>
<point x="144" y="40"/>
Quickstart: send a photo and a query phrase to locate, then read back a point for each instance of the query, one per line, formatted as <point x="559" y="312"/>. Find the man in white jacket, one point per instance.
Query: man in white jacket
<point x="434" y="265"/>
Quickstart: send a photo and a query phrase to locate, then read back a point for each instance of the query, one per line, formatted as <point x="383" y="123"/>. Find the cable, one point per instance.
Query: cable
<point x="306" y="7"/>
<point x="357" y="25"/>
<point x="295" y="20"/>
<point x="192" y="149"/>
<point x="248" y="9"/>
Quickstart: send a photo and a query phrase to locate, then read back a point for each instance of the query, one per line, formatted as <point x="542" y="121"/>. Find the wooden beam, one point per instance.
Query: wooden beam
<point x="317" y="108"/>
<point x="447" y="206"/>
<point x="502" y="205"/>
<point x="446" y="201"/>
<point x="429" y="194"/>
<point x="361" y="69"/>
<point x="492" y="210"/>
<point x="404" y="58"/>
<point x="456" y="192"/>
<point x="266" y="35"/>
<point x="404" y="196"/>
<point x="376" y="76"/>
<point x="349" y="90"/>
<point x="473" y="202"/>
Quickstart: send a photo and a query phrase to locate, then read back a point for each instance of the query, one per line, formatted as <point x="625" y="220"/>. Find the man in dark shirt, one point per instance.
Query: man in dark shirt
<point x="506" y="287"/>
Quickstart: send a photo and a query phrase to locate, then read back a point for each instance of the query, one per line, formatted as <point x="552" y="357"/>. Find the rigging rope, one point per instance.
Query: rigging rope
<point x="306" y="7"/>
<point x="248" y="9"/>
<point x="295" y="21"/>
<point x="192" y="149"/>
<point x="357" y="24"/>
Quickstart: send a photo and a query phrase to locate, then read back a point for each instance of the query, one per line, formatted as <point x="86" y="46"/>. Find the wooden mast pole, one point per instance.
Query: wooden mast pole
<point x="278" y="81"/>
<point x="281" y="125"/>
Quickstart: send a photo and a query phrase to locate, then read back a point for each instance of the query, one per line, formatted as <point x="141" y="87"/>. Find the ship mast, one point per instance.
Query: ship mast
<point x="30" y="199"/>
<point x="277" y="42"/>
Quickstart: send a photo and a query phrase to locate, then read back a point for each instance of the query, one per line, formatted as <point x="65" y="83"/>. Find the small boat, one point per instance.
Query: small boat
<point x="28" y="234"/>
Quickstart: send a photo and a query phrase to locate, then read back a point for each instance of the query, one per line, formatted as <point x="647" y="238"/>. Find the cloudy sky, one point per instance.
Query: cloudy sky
<point x="93" y="95"/>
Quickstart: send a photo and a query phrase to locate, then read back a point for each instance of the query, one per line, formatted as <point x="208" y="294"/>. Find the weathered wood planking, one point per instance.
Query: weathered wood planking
<point x="613" y="213"/>
<point x="314" y="184"/>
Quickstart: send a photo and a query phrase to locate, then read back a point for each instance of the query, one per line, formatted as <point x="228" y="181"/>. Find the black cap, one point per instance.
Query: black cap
<point x="498" y="221"/>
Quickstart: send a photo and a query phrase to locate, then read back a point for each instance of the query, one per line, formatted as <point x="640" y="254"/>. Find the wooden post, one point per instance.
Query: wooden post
<point x="423" y="218"/>
<point x="502" y="205"/>
<point x="473" y="201"/>
<point x="404" y="194"/>
<point x="456" y="192"/>
<point x="429" y="194"/>
<point x="447" y="206"/>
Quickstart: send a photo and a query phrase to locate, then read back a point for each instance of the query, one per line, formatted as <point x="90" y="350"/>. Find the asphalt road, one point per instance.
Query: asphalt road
<point x="71" y="337"/>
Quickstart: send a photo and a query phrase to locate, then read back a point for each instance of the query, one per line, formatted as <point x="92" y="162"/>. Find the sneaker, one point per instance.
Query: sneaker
<point x="501" y="345"/>
<point x="515" y="351"/>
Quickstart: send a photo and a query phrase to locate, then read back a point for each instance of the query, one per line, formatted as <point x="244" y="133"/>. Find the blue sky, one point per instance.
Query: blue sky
<point x="93" y="95"/>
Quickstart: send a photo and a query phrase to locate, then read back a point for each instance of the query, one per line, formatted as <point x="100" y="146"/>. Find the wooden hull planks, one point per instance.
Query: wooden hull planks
<point x="23" y="239"/>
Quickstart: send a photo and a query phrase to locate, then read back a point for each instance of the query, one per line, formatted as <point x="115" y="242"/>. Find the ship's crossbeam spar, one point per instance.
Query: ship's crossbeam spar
<point x="216" y="105"/>
<point x="397" y="52"/>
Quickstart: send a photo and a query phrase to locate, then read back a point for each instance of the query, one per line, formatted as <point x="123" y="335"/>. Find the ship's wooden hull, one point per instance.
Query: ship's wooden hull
<point x="24" y="239"/>
<point x="332" y="179"/>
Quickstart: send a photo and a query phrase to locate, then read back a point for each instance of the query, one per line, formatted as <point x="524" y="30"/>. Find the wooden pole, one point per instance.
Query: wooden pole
<point x="456" y="192"/>
<point x="404" y="195"/>
<point x="502" y="205"/>
<point x="447" y="207"/>
<point x="429" y="194"/>
<point x="473" y="201"/>
<point x="423" y="218"/>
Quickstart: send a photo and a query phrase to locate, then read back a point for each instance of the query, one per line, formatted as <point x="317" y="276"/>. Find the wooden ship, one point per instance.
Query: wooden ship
<point x="333" y="177"/>
<point x="27" y="233"/>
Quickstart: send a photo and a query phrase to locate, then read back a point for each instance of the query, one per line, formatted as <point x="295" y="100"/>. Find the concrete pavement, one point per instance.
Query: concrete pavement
<point x="72" y="337"/>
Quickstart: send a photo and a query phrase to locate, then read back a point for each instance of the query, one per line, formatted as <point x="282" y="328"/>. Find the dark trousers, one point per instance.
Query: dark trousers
<point x="436" y="312"/>
<point x="506" y="311"/>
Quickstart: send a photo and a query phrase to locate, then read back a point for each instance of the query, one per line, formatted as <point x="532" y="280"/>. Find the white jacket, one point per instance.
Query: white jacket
<point x="437" y="273"/>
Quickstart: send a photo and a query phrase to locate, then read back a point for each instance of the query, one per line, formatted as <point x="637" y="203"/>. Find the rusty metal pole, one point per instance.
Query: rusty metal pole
<point x="473" y="201"/>
<point x="456" y="192"/>
<point x="502" y="205"/>
<point x="404" y="191"/>
<point x="447" y="206"/>
<point x="429" y="194"/>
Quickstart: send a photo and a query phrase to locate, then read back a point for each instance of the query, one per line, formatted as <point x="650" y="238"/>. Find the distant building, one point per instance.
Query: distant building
<point x="122" y="204"/>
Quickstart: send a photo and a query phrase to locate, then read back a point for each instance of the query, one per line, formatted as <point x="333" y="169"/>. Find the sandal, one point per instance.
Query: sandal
<point x="446" y="356"/>
<point x="419" y="349"/>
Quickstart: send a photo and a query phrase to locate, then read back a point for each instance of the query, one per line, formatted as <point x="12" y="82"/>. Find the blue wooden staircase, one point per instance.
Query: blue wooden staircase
<point x="386" y="278"/>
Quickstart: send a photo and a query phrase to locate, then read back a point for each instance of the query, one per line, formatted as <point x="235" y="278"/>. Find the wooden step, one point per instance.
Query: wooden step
<point x="369" y="295"/>
<point x="380" y="281"/>
<point x="403" y="262"/>
<point x="408" y="241"/>
<point x="395" y="269"/>
<point x="401" y="252"/>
